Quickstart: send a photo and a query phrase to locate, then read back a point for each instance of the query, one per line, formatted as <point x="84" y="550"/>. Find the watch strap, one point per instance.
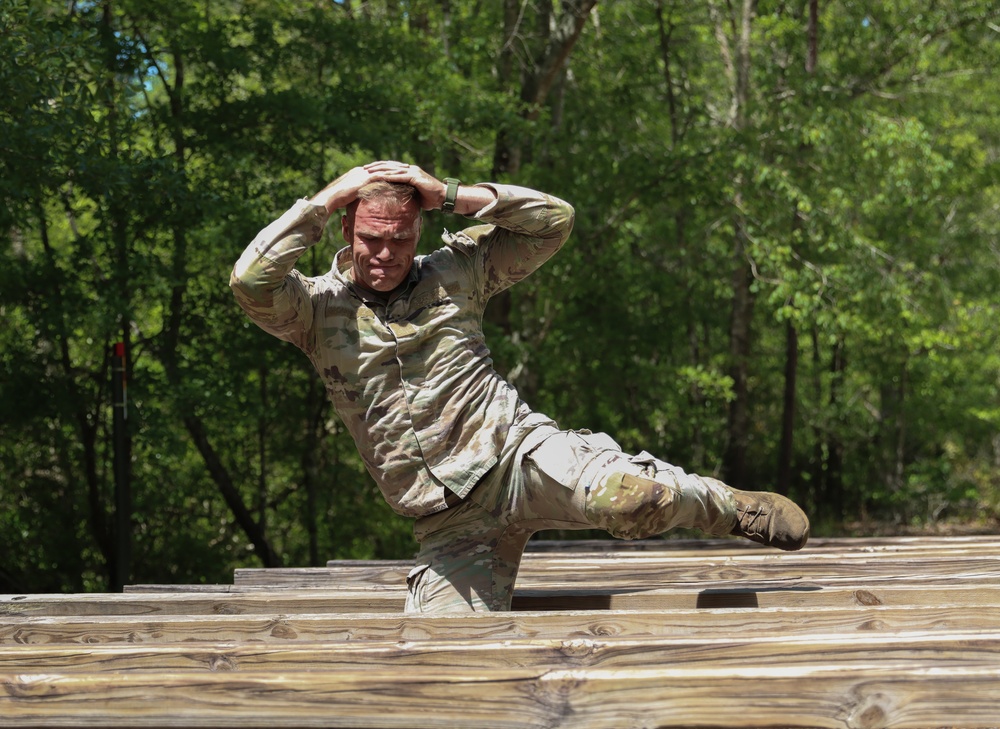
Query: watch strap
<point x="451" y="194"/>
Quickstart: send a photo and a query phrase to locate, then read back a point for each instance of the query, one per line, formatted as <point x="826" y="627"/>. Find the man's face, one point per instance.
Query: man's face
<point x="383" y="236"/>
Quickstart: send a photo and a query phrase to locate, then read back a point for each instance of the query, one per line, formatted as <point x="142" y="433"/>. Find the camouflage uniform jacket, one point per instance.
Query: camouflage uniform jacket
<point x="410" y="376"/>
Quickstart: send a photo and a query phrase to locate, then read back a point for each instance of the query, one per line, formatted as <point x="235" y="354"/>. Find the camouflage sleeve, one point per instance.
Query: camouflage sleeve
<point x="529" y="228"/>
<point x="266" y="285"/>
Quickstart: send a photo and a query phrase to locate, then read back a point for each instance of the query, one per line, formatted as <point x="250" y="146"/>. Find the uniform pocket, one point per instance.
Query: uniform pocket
<point x="563" y="456"/>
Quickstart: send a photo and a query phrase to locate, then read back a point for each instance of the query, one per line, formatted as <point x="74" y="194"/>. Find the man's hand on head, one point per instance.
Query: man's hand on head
<point x="470" y="199"/>
<point x="432" y="191"/>
<point x="344" y="190"/>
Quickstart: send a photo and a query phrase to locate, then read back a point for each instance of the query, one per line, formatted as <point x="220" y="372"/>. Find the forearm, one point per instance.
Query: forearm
<point x="525" y="211"/>
<point x="473" y="198"/>
<point x="339" y="193"/>
<point x="528" y="228"/>
<point x="273" y="252"/>
<point x="266" y="286"/>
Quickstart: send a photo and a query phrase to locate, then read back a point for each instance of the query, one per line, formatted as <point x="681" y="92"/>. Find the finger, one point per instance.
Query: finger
<point x="385" y="164"/>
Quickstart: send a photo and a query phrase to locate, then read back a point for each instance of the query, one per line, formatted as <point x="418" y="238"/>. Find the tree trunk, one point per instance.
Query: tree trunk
<point x="787" y="449"/>
<point x="553" y="42"/>
<point x="118" y="223"/>
<point x="739" y="355"/>
<point x="98" y="521"/>
<point x="262" y="439"/>
<point x="812" y="53"/>
<point x="895" y="421"/>
<point x="504" y="150"/>
<point x="310" y="466"/>
<point x="665" y="32"/>
<point x="835" y="497"/>
<point x="231" y="494"/>
<point x="734" y="48"/>
<point x="786" y="454"/>
<point x="817" y="465"/>
<point x="168" y="349"/>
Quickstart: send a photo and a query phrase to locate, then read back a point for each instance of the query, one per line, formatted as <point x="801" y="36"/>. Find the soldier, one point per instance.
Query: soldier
<point x="398" y="342"/>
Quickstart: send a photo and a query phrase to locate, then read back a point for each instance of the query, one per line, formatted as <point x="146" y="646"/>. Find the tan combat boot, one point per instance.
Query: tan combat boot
<point x="770" y="519"/>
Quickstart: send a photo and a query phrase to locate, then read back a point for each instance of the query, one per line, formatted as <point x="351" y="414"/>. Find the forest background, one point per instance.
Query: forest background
<point x="784" y="270"/>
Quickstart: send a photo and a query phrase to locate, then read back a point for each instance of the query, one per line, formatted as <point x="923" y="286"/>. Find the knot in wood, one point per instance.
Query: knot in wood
<point x="19" y="636"/>
<point x="864" y="597"/>
<point x="870" y="710"/>
<point x="32" y="685"/>
<point x="578" y="648"/>
<point x="222" y="608"/>
<point x="873" y="625"/>
<point x="605" y="629"/>
<point x="222" y="662"/>
<point x="554" y="688"/>
<point x="730" y="574"/>
<point x="281" y="629"/>
<point x="872" y="717"/>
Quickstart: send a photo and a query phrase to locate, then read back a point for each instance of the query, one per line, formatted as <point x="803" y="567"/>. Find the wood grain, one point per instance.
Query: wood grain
<point x="861" y="621"/>
<point x="847" y="633"/>
<point x="734" y="545"/>
<point x="644" y="570"/>
<point x="725" y="649"/>
<point x="813" y="694"/>
<point x="154" y="605"/>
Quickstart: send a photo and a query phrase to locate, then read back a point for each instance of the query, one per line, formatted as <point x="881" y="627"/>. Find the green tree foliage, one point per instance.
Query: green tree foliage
<point x="783" y="271"/>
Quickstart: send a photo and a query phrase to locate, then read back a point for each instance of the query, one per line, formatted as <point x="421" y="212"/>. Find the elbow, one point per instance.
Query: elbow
<point x="236" y="283"/>
<point x="245" y="276"/>
<point x="245" y="287"/>
<point x="567" y="222"/>
<point x="239" y="285"/>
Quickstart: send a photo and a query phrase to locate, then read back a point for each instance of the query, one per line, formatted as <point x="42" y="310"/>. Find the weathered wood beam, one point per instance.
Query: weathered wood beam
<point x="177" y="600"/>
<point x="154" y="605"/>
<point x="742" y="546"/>
<point x="867" y="692"/>
<point x="644" y="571"/>
<point x="285" y="627"/>
<point x="894" y="650"/>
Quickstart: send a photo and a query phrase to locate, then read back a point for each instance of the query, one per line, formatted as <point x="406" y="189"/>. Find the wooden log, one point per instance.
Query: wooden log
<point x="154" y="606"/>
<point x="178" y="601"/>
<point x="758" y="553"/>
<point x="757" y="596"/>
<point x="738" y="546"/>
<point x="867" y="692"/>
<point x="642" y="571"/>
<point x="860" y="621"/>
<point x="894" y="649"/>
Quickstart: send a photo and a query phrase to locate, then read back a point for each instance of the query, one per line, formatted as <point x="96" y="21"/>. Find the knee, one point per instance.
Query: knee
<point x="631" y="507"/>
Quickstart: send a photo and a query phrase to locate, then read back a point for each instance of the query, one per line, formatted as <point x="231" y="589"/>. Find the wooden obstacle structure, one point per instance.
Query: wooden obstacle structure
<point x="857" y="633"/>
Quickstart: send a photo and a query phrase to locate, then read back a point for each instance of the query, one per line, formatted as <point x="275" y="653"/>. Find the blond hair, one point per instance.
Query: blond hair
<point x="382" y="191"/>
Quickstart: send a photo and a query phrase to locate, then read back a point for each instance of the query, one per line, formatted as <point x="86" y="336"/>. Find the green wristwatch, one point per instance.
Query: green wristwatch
<point x="451" y="194"/>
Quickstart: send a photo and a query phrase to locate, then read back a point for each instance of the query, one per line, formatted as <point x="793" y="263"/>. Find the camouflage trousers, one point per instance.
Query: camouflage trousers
<point x="470" y="553"/>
